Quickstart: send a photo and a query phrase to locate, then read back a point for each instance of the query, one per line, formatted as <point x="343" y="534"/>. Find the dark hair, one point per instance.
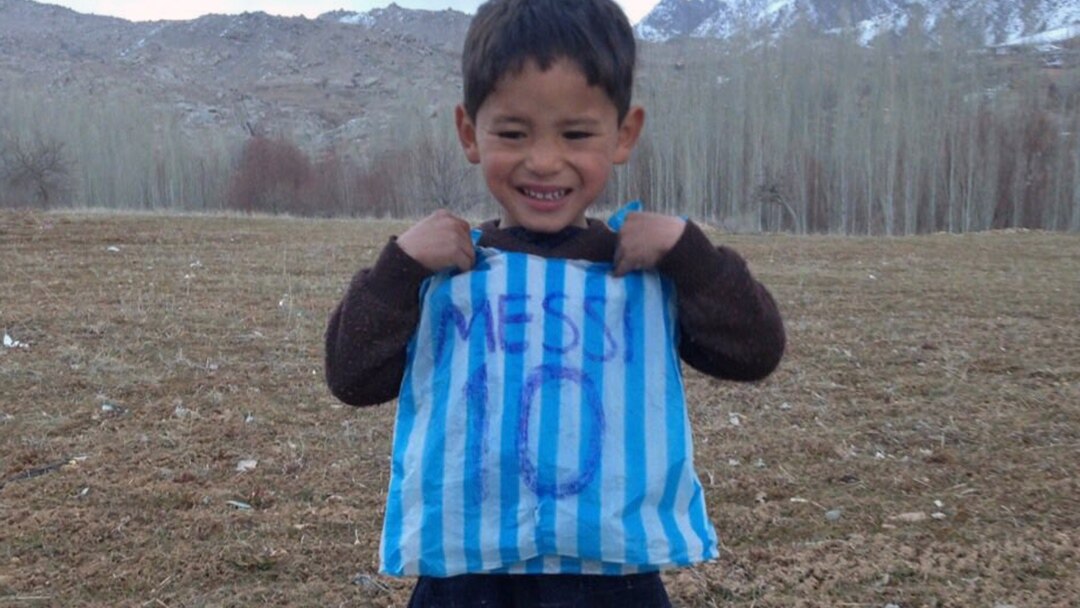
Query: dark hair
<point x="505" y="34"/>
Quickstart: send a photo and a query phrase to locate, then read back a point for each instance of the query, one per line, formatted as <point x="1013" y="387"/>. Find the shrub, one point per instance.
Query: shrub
<point x="272" y="177"/>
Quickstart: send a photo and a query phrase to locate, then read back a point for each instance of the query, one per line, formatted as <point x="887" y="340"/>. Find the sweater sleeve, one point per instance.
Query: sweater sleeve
<point x="729" y="324"/>
<point x="370" y="329"/>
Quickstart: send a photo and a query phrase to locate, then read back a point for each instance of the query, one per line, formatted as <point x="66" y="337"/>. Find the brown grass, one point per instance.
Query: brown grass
<point x="926" y="375"/>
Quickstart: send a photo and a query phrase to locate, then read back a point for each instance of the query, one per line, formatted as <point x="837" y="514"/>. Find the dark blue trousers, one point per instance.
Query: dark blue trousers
<point x="540" y="591"/>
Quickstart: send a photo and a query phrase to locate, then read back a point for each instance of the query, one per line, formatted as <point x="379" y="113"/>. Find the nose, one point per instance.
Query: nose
<point x="544" y="157"/>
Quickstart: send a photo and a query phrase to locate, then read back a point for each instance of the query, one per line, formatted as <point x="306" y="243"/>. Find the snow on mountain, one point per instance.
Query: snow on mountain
<point x="991" y="22"/>
<point x="443" y="29"/>
<point x="364" y="19"/>
<point x="672" y="19"/>
<point x="1059" y="34"/>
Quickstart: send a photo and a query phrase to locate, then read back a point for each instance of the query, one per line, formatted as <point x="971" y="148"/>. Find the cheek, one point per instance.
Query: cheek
<point x="496" y="174"/>
<point x="598" y="172"/>
<point x="502" y="162"/>
<point x="492" y="167"/>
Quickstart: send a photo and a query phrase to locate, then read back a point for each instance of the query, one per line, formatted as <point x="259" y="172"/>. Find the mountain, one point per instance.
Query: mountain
<point x="988" y="22"/>
<point x="357" y="77"/>
<point x="441" y="29"/>
<point x="340" y="77"/>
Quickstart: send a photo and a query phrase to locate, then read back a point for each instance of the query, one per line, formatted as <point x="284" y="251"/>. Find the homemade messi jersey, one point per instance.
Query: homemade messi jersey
<point x="542" y="427"/>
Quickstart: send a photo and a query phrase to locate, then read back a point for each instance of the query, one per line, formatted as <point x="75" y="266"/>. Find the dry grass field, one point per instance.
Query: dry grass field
<point x="166" y="438"/>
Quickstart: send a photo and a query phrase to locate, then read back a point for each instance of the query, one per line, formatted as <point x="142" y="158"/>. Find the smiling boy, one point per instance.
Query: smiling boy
<point x="546" y="115"/>
<point x="546" y="141"/>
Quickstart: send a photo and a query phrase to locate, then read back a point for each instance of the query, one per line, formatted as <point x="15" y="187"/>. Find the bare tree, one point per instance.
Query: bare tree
<point x="39" y="168"/>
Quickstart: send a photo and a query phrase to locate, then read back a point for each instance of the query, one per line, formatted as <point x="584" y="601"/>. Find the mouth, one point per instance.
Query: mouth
<point x="548" y="195"/>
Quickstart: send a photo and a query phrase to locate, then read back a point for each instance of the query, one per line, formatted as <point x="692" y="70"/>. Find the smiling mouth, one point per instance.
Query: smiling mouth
<point x="546" y="194"/>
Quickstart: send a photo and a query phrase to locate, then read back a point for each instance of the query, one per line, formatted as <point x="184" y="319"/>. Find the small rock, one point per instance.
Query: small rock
<point x="243" y="506"/>
<point x="246" y="465"/>
<point x="734" y="419"/>
<point x="113" y="409"/>
<point x="913" y="517"/>
<point x="112" y="249"/>
<point x="365" y="581"/>
<point x="834" y="514"/>
<point x="938" y="515"/>
<point x="785" y="406"/>
<point x="10" y="342"/>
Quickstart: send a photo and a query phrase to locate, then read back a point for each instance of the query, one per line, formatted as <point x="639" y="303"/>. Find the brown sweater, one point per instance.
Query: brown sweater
<point x="729" y="324"/>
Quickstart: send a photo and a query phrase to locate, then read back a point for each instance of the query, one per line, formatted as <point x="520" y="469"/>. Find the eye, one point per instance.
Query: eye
<point x="577" y="135"/>
<point x="511" y="134"/>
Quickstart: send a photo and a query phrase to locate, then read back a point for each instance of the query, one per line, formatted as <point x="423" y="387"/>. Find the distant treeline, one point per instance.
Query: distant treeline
<point x="807" y="135"/>
<point x="819" y="135"/>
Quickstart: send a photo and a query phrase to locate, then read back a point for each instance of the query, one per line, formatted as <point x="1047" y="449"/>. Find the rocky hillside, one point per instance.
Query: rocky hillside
<point x="356" y="77"/>
<point x="340" y="76"/>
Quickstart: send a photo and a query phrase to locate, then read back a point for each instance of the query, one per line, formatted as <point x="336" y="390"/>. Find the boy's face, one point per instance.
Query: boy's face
<point x="546" y="141"/>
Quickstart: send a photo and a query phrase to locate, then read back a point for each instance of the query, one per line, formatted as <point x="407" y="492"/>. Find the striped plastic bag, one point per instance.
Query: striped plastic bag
<point x="542" y="428"/>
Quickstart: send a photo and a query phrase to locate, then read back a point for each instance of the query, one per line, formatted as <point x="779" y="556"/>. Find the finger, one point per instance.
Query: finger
<point x="462" y="225"/>
<point x="464" y="257"/>
<point x="470" y="254"/>
<point x="623" y="264"/>
<point x="439" y="215"/>
<point x="459" y="223"/>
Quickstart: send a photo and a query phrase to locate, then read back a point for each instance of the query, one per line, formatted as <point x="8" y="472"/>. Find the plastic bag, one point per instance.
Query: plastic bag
<point x="542" y="427"/>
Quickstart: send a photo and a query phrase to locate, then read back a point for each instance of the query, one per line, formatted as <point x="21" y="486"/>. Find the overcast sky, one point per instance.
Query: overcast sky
<point x="150" y="10"/>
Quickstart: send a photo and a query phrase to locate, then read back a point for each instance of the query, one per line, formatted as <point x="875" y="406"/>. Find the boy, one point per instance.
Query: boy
<point x="546" y="114"/>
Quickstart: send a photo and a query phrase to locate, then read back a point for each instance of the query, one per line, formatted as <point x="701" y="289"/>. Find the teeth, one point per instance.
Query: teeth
<point x="554" y="195"/>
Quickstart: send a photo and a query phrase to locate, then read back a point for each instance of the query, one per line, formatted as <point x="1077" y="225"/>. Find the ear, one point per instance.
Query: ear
<point x="629" y="131"/>
<point x="466" y="131"/>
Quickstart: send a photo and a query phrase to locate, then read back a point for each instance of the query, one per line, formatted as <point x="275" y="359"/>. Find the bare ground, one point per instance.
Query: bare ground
<point x="918" y="446"/>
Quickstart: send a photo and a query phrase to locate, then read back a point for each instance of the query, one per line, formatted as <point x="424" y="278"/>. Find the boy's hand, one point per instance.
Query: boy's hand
<point x="644" y="239"/>
<point x="440" y="241"/>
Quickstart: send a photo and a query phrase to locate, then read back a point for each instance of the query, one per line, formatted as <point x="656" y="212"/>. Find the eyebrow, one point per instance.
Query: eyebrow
<point x="580" y="123"/>
<point x="503" y="121"/>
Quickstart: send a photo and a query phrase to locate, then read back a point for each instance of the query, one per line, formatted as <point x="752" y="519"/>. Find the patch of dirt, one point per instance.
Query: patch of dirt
<point x="918" y="446"/>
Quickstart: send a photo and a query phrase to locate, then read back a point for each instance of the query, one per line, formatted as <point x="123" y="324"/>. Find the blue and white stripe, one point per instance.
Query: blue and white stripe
<point x="542" y="427"/>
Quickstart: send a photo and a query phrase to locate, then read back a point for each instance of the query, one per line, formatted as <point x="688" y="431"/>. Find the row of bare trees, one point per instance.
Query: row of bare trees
<point x="806" y="134"/>
<point x="818" y="134"/>
<point x="109" y="151"/>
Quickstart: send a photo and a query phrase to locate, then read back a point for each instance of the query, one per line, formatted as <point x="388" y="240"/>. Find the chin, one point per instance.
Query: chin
<point x="546" y="225"/>
<point x="545" y="222"/>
